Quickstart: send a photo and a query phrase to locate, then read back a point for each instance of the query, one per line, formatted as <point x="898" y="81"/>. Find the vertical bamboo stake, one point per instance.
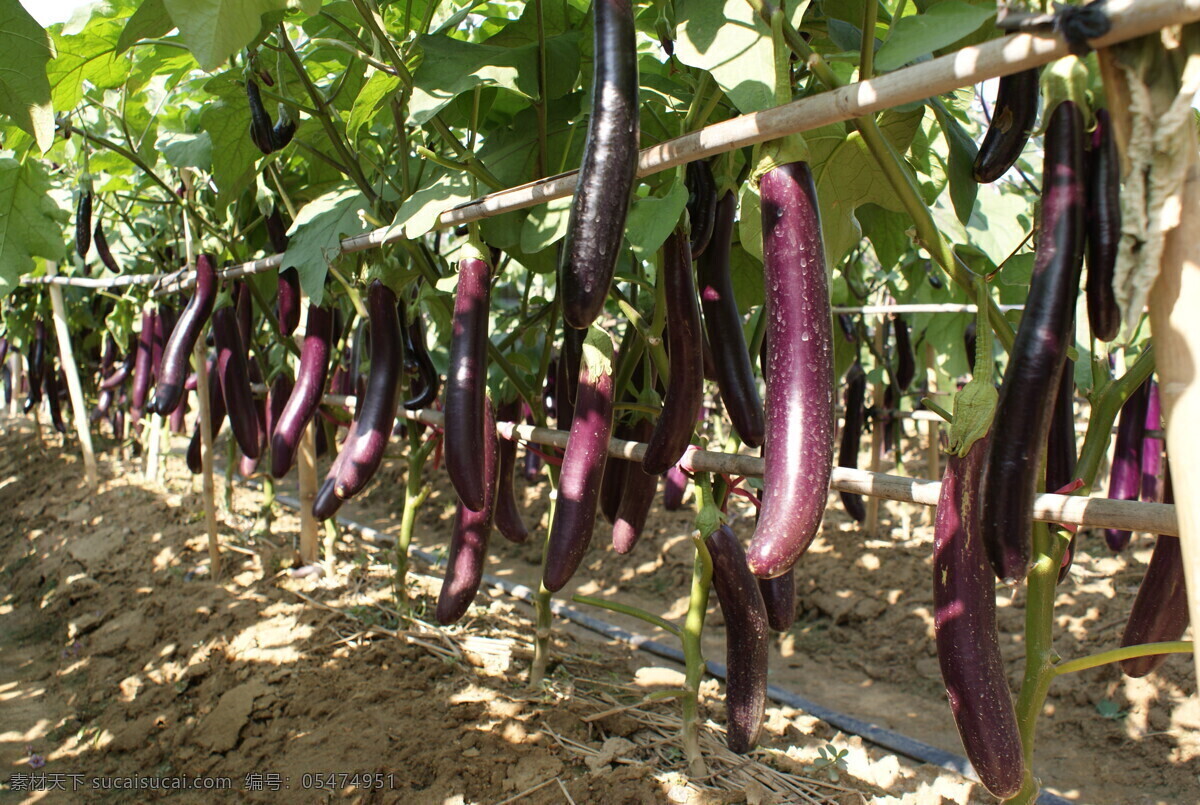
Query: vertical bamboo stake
<point x="15" y="372"/>
<point x="74" y="387"/>
<point x="150" y="472"/>
<point x="933" y="453"/>
<point x="306" y="465"/>
<point x="871" y="526"/>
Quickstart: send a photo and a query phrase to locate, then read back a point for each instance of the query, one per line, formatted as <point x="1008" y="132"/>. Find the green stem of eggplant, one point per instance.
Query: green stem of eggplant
<point x="266" y="512"/>
<point x="694" y="657"/>
<point x="1125" y="653"/>
<point x="1104" y="413"/>
<point x="415" y="493"/>
<point x="541" y="604"/>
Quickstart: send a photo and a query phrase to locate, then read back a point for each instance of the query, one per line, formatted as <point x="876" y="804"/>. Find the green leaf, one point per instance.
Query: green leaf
<point x="726" y="38"/>
<point x="941" y="25"/>
<point x="186" y="150"/>
<point x="90" y="56"/>
<point x="150" y="21"/>
<point x="652" y="218"/>
<point x="214" y="30"/>
<point x="421" y="210"/>
<point x="545" y="225"/>
<point x="24" y="87"/>
<point x="316" y="236"/>
<point x="371" y="98"/>
<point x="963" y="187"/>
<point x="227" y="121"/>
<point x="451" y="67"/>
<point x="30" y="222"/>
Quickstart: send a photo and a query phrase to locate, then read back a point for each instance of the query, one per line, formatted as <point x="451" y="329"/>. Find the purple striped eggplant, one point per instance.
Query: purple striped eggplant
<point x="1152" y="446"/>
<point x="172" y="372"/>
<point x="466" y="381"/>
<point x="1125" y="478"/>
<point x="1103" y="228"/>
<point x="1013" y="119"/>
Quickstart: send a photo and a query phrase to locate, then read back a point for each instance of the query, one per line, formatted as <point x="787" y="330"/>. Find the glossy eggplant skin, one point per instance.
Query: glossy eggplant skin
<point x="1023" y="413"/>
<point x="612" y="486"/>
<point x="1125" y="478"/>
<point x="507" y="513"/>
<point x="637" y="495"/>
<point x="235" y="382"/>
<point x="306" y="395"/>
<point x="1103" y="228"/>
<point x="466" y="382"/>
<point x="1062" y="451"/>
<point x="277" y="397"/>
<point x="685" y="390"/>
<point x="723" y="323"/>
<point x="289" y="301"/>
<point x="798" y="438"/>
<point x="471" y="531"/>
<point x="50" y="383"/>
<point x="377" y="414"/>
<point x="855" y="402"/>
<point x="168" y="390"/>
<point x="605" y="186"/>
<point x="427" y="382"/>
<point x="326" y="503"/>
<point x="36" y="366"/>
<point x="675" y="482"/>
<point x="779" y="597"/>
<point x="701" y="205"/>
<point x="260" y="119"/>
<point x="1152" y="447"/>
<point x="579" y="481"/>
<point x="968" y="648"/>
<point x="747" y="640"/>
<point x="906" y="367"/>
<point x="216" y="414"/>
<point x="142" y="368"/>
<point x="103" y="251"/>
<point x="83" y="223"/>
<point x="1013" y="119"/>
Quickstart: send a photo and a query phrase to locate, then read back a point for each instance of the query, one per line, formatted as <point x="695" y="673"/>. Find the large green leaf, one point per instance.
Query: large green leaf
<point x="451" y="67"/>
<point x="941" y="25"/>
<point x="963" y="187"/>
<point x="214" y="30"/>
<point x="420" y="211"/>
<point x="316" y="234"/>
<point x="546" y="224"/>
<point x="652" y="218"/>
<point x="227" y="121"/>
<point x="151" y="20"/>
<point x="25" y="49"/>
<point x="90" y="55"/>
<point x="727" y="39"/>
<point x="376" y="92"/>
<point x="30" y="221"/>
<point x="186" y="150"/>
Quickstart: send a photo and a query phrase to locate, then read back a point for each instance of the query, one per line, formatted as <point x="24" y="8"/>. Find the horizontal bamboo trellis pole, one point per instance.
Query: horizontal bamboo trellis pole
<point x="968" y="66"/>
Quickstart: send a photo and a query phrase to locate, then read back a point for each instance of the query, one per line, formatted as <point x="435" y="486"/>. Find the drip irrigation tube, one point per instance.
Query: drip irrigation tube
<point x="880" y="736"/>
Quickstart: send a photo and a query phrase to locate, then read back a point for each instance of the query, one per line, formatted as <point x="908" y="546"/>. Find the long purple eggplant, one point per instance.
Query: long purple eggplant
<point x="1062" y="451"/>
<point x="277" y="397"/>
<point x="216" y="415"/>
<point x="235" y="382"/>
<point x="288" y="303"/>
<point x="612" y="486"/>
<point x="1026" y="403"/>
<point x="507" y="512"/>
<point x="675" y="483"/>
<point x="102" y="250"/>
<point x="1013" y="118"/>
<point x="605" y="186"/>
<point x="50" y="381"/>
<point x="798" y="442"/>
<point x="855" y="402"/>
<point x="1160" y="611"/>
<point x="172" y="373"/>
<point x="143" y="368"/>
<point x="964" y="598"/>
<point x="466" y="381"/>
<point x="469" y="537"/>
<point x="701" y="205"/>
<point x="426" y="383"/>
<point x="306" y="395"/>
<point x="906" y="367"/>
<point x="779" y="597"/>
<point x="377" y="413"/>
<point x="582" y="468"/>
<point x="685" y="389"/>
<point x="747" y="640"/>
<point x="1152" y="447"/>
<point x="35" y="366"/>
<point x="723" y="323"/>
<point x="326" y="503"/>
<point x="637" y="495"/>
<point x="1103" y="228"/>
<point x="1125" y="479"/>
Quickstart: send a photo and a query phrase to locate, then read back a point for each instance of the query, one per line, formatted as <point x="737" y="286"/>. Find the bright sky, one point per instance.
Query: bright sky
<point x="48" y="12"/>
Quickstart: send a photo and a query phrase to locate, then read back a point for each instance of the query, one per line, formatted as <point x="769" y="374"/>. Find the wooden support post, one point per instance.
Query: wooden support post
<point x="150" y="472"/>
<point x="206" y="456"/>
<point x="871" y="526"/>
<point x="933" y="427"/>
<point x="306" y="467"/>
<point x="15" y="371"/>
<point x="74" y="387"/>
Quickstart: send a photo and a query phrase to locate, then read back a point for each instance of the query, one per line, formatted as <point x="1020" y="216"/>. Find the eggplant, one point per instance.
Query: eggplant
<point x="260" y="119"/>
<point x="507" y="512"/>
<point x="306" y="395"/>
<point x="1103" y="228"/>
<point x="723" y="324"/>
<point x="798" y="441"/>
<point x="277" y="397"/>
<point x="746" y="640"/>
<point x="83" y="223"/>
<point x="235" y="382"/>
<point x="685" y="389"/>
<point x="277" y="237"/>
<point x="102" y="250"/>
<point x="50" y="382"/>
<point x="1125" y="478"/>
<point x="427" y="382"/>
<point x="470" y="534"/>
<point x="377" y="409"/>
<point x="582" y="468"/>
<point x="1152" y="447"/>
<point x="779" y="597"/>
<point x="1013" y="119"/>
<point x="701" y="204"/>
<point x="216" y="415"/>
<point x="906" y="367"/>
<point x="143" y="368"/>
<point x="326" y="502"/>
<point x="172" y="372"/>
<point x="36" y="366"/>
<point x="288" y="304"/>
<point x="1023" y="413"/>
<point x="673" y="488"/>
<point x="466" y="382"/>
<point x="637" y="494"/>
<point x="856" y="411"/>
<point x="596" y="226"/>
<point x="1061" y="450"/>
<point x="968" y="648"/>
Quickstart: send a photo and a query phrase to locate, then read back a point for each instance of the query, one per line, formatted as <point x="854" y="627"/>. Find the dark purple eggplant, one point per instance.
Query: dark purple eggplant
<point x="471" y="531"/>
<point x="1026" y="404"/>
<point x="637" y="494"/>
<point x="306" y="396"/>
<point x="216" y="415"/>
<point x="612" y="486"/>
<point x="326" y="503"/>
<point x="747" y="640"/>
<point x="1125" y="478"/>
<point x="235" y="382"/>
<point x="288" y="304"/>
<point x="260" y="119"/>
<point x="579" y="481"/>
<point x="701" y="204"/>
<point x="906" y="367"/>
<point x="564" y="383"/>
<point x="466" y="381"/>
<point x="856" y="411"/>
<point x="103" y="404"/>
<point x="798" y="442"/>
<point x="605" y="185"/>
<point x="54" y="403"/>
<point x="1062" y="451"/>
<point x="36" y="366"/>
<point x="1152" y="447"/>
<point x="1103" y="228"/>
<point x="1013" y="119"/>
<point x="685" y="389"/>
<point x="143" y="368"/>
<point x="964" y="597"/>
<point x="377" y="412"/>
<point x="507" y="512"/>
<point x="284" y="128"/>
<point x="779" y="596"/>
<point x="723" y="323"/>
<point x="168" y="390"/>
<point x="281" y="390"/>
<point x="426" y="382"/>
<point x="83" y="222"/>
<point x="102" y="250"/>
<point x="674" y="485"/>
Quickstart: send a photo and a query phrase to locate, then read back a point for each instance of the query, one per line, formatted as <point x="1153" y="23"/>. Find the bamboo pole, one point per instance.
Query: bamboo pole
<point x="150" y="471"/>
<point x="74" y="387"/>
<point x="306" y="467"/>
<point x="933" y="429"/>
<point x="871" y="524"/>
<point x="15" y="372"/>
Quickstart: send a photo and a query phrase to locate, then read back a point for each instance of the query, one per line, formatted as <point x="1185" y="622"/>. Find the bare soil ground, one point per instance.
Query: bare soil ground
<point x="121" y="656"/>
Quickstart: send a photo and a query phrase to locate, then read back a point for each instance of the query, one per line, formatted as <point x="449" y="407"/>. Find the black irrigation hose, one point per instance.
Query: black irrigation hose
<point x="885" y="738"/>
